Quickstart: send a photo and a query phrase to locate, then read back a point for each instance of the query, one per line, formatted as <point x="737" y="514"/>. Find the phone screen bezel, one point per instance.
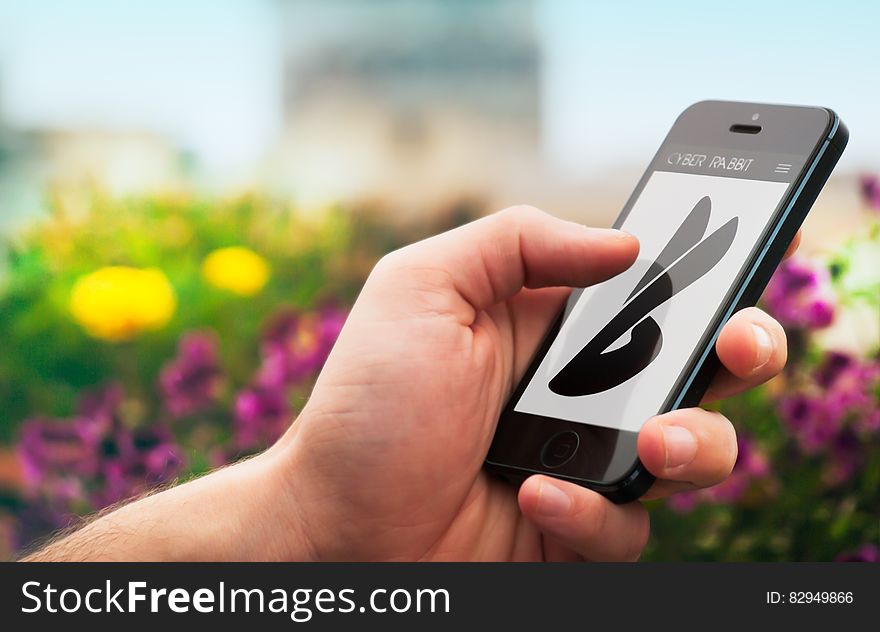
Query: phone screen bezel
<point x="608" y="456"/>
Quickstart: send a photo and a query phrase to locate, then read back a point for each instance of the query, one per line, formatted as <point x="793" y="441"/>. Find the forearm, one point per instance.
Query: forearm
<point x="224" y="516"/>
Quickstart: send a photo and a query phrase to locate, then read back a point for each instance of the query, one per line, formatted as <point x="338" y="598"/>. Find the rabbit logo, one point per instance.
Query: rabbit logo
<point x="683" y="260"/>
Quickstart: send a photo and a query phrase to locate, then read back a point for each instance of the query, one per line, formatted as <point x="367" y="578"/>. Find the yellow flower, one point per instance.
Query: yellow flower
<point x="118" y="302"/>
<point x="236" y="269"/>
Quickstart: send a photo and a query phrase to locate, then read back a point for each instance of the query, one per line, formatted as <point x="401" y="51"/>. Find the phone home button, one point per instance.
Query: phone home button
<point x="559" y="449"/>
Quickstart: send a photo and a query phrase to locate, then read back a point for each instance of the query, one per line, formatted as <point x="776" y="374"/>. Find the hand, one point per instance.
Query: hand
<point x="386" y="460"/>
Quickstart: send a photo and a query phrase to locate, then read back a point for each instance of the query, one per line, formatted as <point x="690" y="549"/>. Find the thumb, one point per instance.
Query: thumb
<point x="491" y="259"/>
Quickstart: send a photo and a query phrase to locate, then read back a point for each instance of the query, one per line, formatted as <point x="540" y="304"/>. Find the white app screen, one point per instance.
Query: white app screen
<point x="696" y="233"/>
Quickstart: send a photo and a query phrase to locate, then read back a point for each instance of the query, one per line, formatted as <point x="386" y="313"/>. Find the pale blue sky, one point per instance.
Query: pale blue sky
<point x="204" y="72"/>
<point x="615" y="74"/>
<point x="619" y="72"/>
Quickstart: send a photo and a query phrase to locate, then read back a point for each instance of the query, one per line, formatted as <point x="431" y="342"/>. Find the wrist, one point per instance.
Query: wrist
<point x="309" y="523"/>
<point x="273" y="520"/>
<point x="239" y="513"/>
<point x="244" y="512"/>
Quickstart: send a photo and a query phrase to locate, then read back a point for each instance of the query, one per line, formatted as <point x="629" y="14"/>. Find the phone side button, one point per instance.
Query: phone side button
<point x="560" y="449"/>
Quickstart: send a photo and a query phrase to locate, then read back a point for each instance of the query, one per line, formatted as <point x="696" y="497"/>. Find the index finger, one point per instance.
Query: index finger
<point x="793" y="246"/>
<point x="687" y="449"/>
<point x="492" y="259"/>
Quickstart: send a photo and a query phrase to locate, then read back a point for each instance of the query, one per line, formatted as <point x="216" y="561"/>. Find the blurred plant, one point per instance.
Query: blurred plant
<point x="296" y="344"/>
<point x="261" y="415"/>
<point x="799" y="295"/>
<point x="870" y="185"/>
<point x="192" y="381"/>
<point x="130" y="359"/>
<point x="92" y="459"/>
<point x="866" y="553"/>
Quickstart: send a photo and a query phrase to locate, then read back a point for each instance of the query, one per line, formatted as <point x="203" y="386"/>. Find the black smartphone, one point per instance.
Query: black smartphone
<point x="714" y="214"/>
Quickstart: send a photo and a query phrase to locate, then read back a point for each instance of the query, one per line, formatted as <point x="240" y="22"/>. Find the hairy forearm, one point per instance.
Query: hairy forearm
<point x="219" y="517"/>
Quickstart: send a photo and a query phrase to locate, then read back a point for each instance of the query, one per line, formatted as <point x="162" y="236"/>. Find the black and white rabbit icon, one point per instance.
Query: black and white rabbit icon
<point x="683" y="260"/>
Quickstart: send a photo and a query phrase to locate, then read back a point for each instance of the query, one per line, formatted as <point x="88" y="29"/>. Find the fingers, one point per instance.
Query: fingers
<point x="687" y="449"/>
<point x="793" y="246"/>
<point x="583" y="521"/>
<point x="491" y="259"/>
<point x="534" y="313"/>
<point x="752" y="349"/>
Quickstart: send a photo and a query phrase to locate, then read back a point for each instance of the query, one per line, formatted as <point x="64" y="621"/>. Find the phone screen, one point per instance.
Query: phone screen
<point x="624" y="343"/>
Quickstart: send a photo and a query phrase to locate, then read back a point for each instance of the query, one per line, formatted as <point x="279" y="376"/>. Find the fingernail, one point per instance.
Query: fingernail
<point x="552" y="501"/>
<point x="613" y="233"/>
<point x="607" y="233"/>
<point x="681" y="446"/>
<point x="764" y="344"/>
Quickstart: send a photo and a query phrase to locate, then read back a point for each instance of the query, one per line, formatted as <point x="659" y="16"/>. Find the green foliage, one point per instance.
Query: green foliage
<point x="48" y="359"/>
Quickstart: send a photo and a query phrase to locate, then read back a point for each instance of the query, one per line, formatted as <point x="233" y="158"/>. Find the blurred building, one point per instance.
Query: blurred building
<point x="117" y="162"/>
<point x="114" y="160"/>
<point x="415" y="102"/>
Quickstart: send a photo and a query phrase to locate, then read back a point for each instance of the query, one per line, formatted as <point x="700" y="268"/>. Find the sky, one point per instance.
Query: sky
<point x="203" y="72"/>
<point x="618" y="73"/>
<point x="615" y="74"/>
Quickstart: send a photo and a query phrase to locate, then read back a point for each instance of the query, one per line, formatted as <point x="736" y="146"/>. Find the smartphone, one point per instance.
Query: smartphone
<point x="714" y="213"/>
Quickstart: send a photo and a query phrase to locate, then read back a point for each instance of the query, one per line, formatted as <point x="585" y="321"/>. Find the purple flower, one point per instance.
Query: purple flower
<point x="731" y="490"/>
<point x="853" y="390"/>
<point x="261" y="416"/>
<point x="683" y="502"/>
<point x="192" y="381"/>
<point x="812" y="421"/>
<point x="833" y="411"/>
<point x="866" y="553"/>
<point x="332" y="321"/>
<point x="100" y="405"/>
<point x="751" y="464"/>
<point x="296" y="345"/>
<point x="798" y="295"/>
<point x="93" y="457"/>
<point x="135" y="461"/>
<point x="54" y="453"/>
<point x="749" y="459"/>
<point x="37" y="520"/>
<point x="870" y="423"/>
<point x="870" y="188"/>
<point x="850" y="390"/>
<point x="846" y="458"/>
<point x="834" y="364"/>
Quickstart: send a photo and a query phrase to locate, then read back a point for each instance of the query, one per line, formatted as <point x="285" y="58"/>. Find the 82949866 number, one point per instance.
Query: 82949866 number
<point x="808" y="597"/>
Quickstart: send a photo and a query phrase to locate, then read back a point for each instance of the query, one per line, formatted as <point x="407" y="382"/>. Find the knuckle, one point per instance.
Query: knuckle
<point x="751" y="313"/>
<point x="778" y="360"/>
<point x="390" y="263"/>
<point x="767" y="321"/>
<point x="591" y="510"/>
<point x="728" y="443"/>
<point x="780" y="355"/>
<point x="733" y="455"/>
<point x="642" y="534"/>
<point x="518" y="213"/>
